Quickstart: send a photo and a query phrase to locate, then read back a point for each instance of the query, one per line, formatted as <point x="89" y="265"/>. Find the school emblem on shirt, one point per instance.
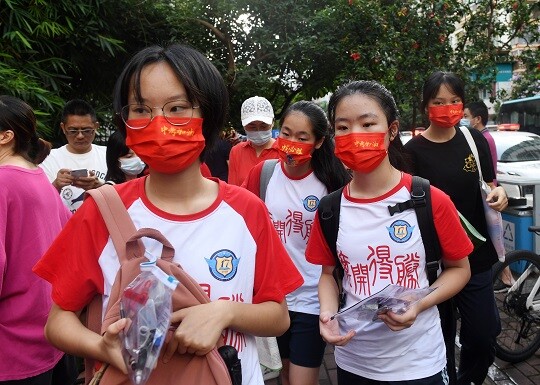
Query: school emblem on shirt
<point x="67" y="193"/>
<point x="470" y="164"/>
<point x="311" y="202"/>
<point x="223" y="265"/>
<point x="400" y="231"/>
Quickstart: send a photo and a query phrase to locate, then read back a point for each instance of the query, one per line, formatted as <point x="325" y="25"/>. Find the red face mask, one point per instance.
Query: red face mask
<point x="446" y="116"/>
<point x="294" y="153"/>
<point x="167" y="148"/>
<point x="361" y="152"/>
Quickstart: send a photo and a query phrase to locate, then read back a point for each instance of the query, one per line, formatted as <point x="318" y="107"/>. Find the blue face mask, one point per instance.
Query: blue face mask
<point x="131" y="166"/>
<point x="465" y="122"/>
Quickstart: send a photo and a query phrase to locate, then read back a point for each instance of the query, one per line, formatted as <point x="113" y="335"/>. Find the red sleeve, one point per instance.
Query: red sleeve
<point x="455" y="244"/>
<point x="233" y="165"/>
<point x="253" y="180"/>
<point x="275" y="273"/>
<point x="205" y="171"/>
<point x="71" y="263"/>
<point x="317" y="251"/>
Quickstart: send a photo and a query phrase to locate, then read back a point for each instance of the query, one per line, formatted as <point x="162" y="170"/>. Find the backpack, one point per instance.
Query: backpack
<point x="266" y="173"/>
<point x="328" y="215"/>
<point x="182" y="369"/>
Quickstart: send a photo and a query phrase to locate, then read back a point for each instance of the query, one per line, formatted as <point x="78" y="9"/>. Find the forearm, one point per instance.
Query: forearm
<point x="65" y="331"/>
<point x="448" y="284"/>
<point x="263" y="319"/>
<point x="328" y="292"/>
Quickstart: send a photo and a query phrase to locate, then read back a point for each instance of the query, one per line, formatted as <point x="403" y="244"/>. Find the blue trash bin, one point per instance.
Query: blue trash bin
<point x="516" y="221"/>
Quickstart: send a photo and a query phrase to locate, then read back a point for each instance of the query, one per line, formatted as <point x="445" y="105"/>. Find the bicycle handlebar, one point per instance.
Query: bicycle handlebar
<point x="534" y="229"/>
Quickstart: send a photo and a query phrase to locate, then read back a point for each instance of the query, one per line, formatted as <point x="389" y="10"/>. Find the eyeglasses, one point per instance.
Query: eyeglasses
<point x="140" y="115"/>
<point x="85" y="131"/>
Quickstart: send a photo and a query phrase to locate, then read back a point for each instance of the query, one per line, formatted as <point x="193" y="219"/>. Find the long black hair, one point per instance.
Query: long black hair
<point x="17" y="116"/>
<point x="326" y="166"/>
<point x="397" y="154"/>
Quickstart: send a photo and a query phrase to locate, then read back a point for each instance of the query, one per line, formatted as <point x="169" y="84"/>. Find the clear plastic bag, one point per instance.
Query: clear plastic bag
<point x="146" y="303"/>
<point x="494" y="223"/>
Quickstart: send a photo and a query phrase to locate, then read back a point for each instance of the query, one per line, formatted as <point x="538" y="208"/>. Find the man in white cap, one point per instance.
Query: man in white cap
<point x="257" y="117"/>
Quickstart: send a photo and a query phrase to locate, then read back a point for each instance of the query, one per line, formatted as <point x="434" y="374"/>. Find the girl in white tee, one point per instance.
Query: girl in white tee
<point x="377" y="249"/>
<point x="307" y="171"/>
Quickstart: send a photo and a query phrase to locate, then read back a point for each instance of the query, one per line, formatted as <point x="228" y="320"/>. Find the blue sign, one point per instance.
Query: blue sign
<point x="504" y="72"/>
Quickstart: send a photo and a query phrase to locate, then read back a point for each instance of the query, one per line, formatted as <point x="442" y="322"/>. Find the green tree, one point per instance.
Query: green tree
<point x="490" y="32"/>
<point x="37" y="42"/>
<point x="284" y="50"/>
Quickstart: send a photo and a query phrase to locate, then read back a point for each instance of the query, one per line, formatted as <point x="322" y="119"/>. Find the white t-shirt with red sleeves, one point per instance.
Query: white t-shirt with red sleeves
<point x="377" y="249"/>
<point x="230" y="248"/>
<point x="292" y="204"/>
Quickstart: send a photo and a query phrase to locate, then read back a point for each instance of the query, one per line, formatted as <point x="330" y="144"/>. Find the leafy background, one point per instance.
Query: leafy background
<point x="285" y="50"/>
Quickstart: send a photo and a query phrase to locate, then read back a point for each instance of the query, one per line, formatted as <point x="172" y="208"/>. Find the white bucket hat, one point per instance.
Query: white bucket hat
<point x="256" y="108"/>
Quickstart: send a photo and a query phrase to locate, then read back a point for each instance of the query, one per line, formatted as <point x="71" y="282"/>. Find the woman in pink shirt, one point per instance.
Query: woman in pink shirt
<point x="31" y="215"/>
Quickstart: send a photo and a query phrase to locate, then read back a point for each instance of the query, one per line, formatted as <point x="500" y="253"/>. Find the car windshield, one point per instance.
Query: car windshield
<point x="521" y="149"/>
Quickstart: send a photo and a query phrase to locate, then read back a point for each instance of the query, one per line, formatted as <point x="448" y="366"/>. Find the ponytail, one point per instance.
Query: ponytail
<point x="17" y="116"/>
<point x="39" y="150"/>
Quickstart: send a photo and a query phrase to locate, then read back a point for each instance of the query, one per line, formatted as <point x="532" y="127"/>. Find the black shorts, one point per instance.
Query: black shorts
<point x="347" y="378"/>
<point x="302" y="343"/>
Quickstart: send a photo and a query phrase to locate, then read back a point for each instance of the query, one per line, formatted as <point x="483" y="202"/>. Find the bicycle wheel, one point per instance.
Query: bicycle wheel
<point x="520" y="335"/>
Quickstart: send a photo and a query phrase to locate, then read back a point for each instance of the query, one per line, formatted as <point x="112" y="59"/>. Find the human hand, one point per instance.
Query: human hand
<point x="397" y="322"/>
<point x="111" y="344"/>
<point x="199" y="330"/>
<point x="87" y="182"/>
<point x="63" y="178"/>
<point x="497" y="199"/>
<point x="330" y="330"/>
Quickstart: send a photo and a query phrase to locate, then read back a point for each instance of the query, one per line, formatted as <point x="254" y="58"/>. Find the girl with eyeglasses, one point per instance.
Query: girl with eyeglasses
<point x="172" y="103"/>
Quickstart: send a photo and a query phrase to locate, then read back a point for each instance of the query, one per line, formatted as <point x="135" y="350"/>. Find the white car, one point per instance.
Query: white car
<point x="518" y="161"/>
<point x="405" y="136"/>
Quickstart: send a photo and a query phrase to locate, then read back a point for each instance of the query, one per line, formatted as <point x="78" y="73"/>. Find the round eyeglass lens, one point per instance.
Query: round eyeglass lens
<point x="176" y="112"/>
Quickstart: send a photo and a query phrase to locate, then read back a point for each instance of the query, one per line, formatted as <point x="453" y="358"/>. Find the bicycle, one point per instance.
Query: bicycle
<point x="519" y="305"/>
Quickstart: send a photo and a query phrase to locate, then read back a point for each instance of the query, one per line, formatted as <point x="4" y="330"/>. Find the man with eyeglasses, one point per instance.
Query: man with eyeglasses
<point x="79" y="165"/>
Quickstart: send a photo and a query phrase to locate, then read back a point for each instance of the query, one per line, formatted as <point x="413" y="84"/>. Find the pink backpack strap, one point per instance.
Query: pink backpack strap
<point x="133" y="246"/>
<point x="116" y="217"/>
<point x="121" y="228"/>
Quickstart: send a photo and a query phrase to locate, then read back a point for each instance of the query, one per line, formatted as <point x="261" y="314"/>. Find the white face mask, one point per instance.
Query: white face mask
<point x="131" y="166"/>
<point x="259" y="137"/>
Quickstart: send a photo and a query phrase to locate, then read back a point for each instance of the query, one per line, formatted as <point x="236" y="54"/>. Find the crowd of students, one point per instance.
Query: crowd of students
<point x="170" y="106"/>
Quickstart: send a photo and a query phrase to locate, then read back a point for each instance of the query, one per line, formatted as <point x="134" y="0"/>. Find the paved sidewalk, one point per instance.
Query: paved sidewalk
<point x="500" y="373"/>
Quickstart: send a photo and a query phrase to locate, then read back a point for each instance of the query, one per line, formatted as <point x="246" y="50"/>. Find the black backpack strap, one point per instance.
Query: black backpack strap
<point x="421" y="202"/>
<point x="421" y="191"/>
<point x="328" y="213"/>
<point x="266" y="173"/>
